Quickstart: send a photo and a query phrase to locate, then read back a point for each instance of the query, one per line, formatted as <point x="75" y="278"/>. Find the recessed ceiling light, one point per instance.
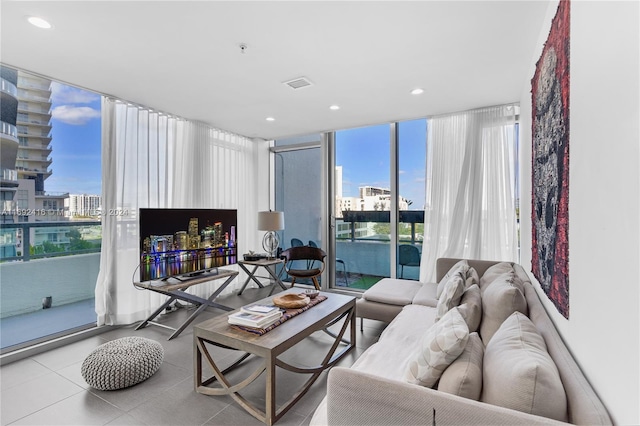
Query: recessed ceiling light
<point x="39" y="22"/>
<point x="417" y="91"/>
<point x="270" y="119"/>
<point x="334" y="107"/>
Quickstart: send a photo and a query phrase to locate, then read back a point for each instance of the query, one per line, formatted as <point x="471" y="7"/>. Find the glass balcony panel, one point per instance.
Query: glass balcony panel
<point x="48" y="274"/>
<point x="363" y="201"/>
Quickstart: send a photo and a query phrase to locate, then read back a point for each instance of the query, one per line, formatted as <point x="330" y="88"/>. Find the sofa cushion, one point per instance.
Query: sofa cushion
<point x="393" y="291"/>
<point x="494" y="272"/>
<point x="464" y="376"/>
<point x="451" y="294"/>
<point x="500" y="299"/>
<point x="472" y="277"/>
<point x="518" y="372"/>
<point x="460" y="266"/>
<point x="426" y="295"/>
<point x="399" y="341"/>
<point x="441" y="344"/>
<point x="471" y="307"/>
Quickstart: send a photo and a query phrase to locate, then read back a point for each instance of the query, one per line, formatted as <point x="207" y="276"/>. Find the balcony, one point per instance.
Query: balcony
<point x="64" y="271"/>
<point x="8" y="87"/>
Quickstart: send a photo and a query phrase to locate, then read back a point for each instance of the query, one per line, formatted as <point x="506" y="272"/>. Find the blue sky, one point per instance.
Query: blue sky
<point x="364" y="156"/>
<point x="76" y="131"/>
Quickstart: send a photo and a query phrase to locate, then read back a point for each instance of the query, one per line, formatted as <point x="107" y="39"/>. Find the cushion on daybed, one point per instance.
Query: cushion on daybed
<point x="500" y="298"/>
<point x="460" y="267"/>
<point x="440" y="345"/>
<point x="464" y="376"/>
<point x="494" y="272"/>
<point x="519" y="373"/>
<point x="426" y="295"/>
<point x="393" y="291"/>
<point x="471" y="307"/>
<point x="451" y="294"/>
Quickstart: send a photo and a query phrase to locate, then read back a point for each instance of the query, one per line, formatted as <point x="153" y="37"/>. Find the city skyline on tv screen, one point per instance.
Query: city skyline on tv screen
<point x="186" y="241"/>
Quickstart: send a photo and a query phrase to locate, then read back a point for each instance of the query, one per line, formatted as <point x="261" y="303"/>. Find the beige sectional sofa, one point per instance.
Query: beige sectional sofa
<point x="493" y="357"/>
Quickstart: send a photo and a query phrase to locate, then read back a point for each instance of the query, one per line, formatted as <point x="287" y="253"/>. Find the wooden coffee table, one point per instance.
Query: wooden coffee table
<point x="217" y="331"/>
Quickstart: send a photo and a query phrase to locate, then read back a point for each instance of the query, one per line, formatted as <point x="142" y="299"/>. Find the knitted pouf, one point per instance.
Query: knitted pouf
<point x="122" y="363"/>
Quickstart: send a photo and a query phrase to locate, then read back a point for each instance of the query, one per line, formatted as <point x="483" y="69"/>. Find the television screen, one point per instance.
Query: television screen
<point x="186" y="242"/>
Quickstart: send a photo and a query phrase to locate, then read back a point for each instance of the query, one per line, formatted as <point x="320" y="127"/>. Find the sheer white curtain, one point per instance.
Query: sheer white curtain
<point x="471" y="178"/>
<point x="152" y="160"/>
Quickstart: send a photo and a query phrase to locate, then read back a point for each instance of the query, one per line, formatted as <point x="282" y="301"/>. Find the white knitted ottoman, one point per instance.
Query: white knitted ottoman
<point x="122" y="363"/>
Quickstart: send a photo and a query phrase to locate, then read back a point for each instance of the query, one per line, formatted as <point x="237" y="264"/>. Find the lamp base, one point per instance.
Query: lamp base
<point x="270" y="243"/>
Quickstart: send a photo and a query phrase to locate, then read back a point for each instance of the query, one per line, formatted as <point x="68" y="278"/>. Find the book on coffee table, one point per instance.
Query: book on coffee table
<point x="257" y="309"/>
<point x="254" y="320"/>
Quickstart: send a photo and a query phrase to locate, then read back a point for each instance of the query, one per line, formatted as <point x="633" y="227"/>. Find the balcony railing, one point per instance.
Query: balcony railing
<point x="36" y="240"/>
<point x="8" y="87"/>
<point x="58" y="275"/>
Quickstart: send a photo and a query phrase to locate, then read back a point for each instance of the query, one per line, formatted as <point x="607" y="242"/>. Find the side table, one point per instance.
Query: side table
<point x="176" y="290"/>
<point x="265" y="263"/>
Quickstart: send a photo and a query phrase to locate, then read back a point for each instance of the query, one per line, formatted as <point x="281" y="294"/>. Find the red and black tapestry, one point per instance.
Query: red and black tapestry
<point x="550" y="163"/>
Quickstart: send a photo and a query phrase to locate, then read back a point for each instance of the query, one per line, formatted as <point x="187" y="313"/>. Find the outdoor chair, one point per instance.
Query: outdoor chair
<point x="408" y="255"/>
<point x="338" y="260"/>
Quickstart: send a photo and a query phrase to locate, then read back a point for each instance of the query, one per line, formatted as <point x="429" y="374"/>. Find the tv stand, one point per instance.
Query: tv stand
<point x="177" y="291"/>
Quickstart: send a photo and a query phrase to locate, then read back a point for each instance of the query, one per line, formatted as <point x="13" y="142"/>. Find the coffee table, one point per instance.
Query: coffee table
<point x="336" y="309"/>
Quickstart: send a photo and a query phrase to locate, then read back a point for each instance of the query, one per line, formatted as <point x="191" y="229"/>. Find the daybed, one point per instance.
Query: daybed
<point x="493" y="357"/>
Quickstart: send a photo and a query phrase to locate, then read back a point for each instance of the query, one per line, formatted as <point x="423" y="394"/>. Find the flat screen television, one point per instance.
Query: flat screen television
<point x="186" y="242"/>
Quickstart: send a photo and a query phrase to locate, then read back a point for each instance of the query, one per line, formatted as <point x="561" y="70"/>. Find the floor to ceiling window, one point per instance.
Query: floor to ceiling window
<point x="362" y="193"/>
<point x="50" y="232"/>
<point x="412" y="160"/>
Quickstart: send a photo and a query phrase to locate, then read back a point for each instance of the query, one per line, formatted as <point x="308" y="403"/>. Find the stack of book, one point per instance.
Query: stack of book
<point x="257" y="316"/>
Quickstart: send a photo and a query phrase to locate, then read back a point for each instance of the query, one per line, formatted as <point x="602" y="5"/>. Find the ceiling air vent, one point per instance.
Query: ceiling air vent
<point x="298" y="83"/>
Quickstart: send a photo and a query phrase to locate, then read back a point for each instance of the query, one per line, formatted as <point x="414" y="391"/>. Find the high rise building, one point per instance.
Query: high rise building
<point x="83" y="205"/>
<point x="34" y="129"/>
<point x="8" y="142"/>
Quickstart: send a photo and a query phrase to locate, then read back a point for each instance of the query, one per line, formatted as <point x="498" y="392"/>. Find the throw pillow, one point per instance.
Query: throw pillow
<point x="451" y="294"/>
<point x="500" y="299"/>
<point x="441" y="344"/>
<point x="464" y="376"/>
<point x="472" y="277"/>
<point x="520" y="374"/>
<point x="471" y="307"/>
<point x="460" y="266"/>
<point x="494" y="272"/>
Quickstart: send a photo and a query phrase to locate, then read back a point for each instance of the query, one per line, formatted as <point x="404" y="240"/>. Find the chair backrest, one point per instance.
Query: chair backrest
<point x="304" y="253"/>
<point x="408" y="255"/>
<point x="296" y="242"/>
<point x="312" y="243"/>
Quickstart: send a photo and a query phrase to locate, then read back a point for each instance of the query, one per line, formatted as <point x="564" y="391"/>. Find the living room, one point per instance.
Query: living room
<point x="604" y="203"/>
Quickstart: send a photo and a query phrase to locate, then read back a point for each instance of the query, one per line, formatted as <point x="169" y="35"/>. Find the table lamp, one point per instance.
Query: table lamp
<point x="270" y="221"/>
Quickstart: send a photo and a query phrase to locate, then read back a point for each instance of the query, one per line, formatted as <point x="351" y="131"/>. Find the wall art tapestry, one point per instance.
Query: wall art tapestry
<point x="550" y="163"/>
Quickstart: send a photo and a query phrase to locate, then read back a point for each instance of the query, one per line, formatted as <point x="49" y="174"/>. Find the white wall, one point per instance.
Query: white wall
<point x="603" y="329"/>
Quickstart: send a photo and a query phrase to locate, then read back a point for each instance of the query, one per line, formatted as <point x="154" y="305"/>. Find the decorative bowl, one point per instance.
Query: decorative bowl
<point x="291" y="300"/>
<point x="311" y="293"/>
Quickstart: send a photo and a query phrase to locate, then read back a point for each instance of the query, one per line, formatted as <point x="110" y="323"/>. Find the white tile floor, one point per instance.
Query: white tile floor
<point x="48" y="389"/>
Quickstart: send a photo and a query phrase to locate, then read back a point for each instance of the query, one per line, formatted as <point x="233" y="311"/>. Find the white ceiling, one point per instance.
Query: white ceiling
<point x="184" y="57"/>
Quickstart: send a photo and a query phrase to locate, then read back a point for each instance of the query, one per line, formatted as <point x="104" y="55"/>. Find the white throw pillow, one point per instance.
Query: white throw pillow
<point x="494" y="272"/>
<point x="472" y="277"/>
<point x="470" y="307"/>
<point x="441" y="344"/>
<point x="460" y="266"/>
<point x="520" y="374"/>
<point x="464" y="376"/>
<point x="500" y="299"/>
<point x="451" y="294"/>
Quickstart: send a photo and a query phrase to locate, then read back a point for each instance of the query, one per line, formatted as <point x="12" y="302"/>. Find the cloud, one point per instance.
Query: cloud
<point x="63" y="94"/>
<point x="74" y="115"/>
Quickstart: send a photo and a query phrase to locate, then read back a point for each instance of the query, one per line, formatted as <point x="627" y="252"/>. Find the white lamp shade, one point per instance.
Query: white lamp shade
<point x="270" y="221"/>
